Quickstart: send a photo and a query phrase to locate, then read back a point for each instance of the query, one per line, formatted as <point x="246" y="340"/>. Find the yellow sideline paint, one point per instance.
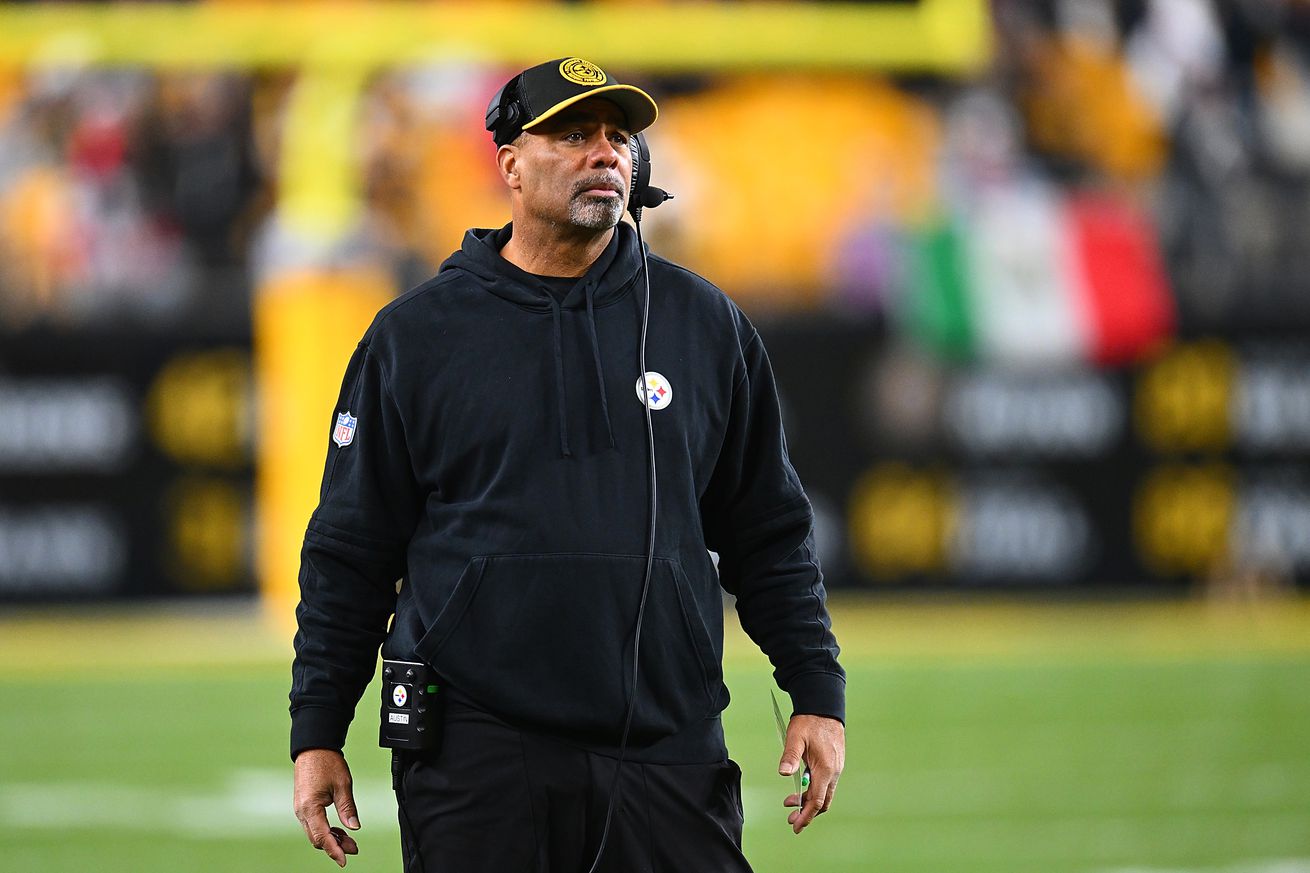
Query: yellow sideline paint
<point x="132" y="640"/>
<point x="990" y="628"/>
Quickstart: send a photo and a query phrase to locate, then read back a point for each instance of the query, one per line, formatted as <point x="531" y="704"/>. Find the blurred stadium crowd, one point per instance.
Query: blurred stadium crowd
<point x="1040" y="325"/>
<point x="1174" y="134"/>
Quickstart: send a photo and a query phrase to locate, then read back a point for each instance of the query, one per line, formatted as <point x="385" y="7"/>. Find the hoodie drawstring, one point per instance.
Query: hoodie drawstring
<point x="600" y="370"/>
<point x="559" y="381"/>
<point x="565" y="451"/>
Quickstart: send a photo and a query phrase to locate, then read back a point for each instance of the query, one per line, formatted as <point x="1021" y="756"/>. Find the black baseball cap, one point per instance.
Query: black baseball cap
<point x="539" y="92"/>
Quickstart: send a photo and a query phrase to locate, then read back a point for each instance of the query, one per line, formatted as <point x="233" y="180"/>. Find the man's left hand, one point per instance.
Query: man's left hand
<point x="819" y="743"/>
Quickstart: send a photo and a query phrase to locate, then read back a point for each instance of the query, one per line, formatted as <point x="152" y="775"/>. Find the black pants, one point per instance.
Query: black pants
<point x="497" y="800"/>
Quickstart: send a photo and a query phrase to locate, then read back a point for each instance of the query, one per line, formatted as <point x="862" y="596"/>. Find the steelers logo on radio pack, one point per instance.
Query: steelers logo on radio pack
<point x="399" y="695"/>
<point x="658" y="392"/>
<point x="581" y="72"/>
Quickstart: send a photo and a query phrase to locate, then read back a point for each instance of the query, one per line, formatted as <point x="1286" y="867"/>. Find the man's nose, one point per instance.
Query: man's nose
<point x="604" y="153"/>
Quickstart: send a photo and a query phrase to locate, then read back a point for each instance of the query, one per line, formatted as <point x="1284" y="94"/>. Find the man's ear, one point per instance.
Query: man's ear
<point x="507" y="159"/>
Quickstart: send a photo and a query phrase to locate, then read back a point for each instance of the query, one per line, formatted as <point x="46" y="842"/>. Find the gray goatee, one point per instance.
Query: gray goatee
<point x="590" y="211"/>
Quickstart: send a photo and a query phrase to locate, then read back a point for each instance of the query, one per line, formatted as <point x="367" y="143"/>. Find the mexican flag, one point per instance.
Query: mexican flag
<point x="1028" y="273"/>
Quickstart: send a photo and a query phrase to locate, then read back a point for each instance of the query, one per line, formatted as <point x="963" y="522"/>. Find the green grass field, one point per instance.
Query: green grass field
<point x="984" y="737"/>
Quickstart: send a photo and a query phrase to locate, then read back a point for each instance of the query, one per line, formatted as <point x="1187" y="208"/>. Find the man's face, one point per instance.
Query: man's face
<point x="575" y="167"/>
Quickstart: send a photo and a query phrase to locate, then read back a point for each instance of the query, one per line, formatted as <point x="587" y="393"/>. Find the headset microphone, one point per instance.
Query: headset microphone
<point x="644" y="195"/>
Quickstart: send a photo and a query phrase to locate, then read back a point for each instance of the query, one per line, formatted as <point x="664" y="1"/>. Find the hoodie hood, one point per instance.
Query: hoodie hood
<point x="608" y="280"/>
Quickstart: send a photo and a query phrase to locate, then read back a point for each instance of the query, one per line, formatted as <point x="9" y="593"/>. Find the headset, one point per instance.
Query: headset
<point x="643" y="193"/>
<point x="504" y="114"/>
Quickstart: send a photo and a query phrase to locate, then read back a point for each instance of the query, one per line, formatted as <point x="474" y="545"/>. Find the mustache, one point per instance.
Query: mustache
<point x="604" y="180"/>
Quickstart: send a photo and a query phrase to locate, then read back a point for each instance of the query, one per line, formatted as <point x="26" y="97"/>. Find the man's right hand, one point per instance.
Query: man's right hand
<point x="323" y="780"/>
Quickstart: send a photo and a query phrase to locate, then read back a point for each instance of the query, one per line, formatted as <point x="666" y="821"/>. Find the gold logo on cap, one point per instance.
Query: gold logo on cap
<point x="582" y="72"/>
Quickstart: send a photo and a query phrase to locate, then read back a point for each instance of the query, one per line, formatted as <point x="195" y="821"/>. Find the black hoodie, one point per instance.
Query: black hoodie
<point x="497" y="464"/>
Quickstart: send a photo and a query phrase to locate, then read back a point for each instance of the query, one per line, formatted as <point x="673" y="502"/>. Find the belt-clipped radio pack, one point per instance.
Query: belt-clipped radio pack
<point x="410" y="714"/>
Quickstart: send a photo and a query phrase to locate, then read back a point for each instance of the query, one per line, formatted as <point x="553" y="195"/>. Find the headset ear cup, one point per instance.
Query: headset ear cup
<point x="640" y="174"/>
<point x="504" y="112"/>
<point x="494" y="111"/>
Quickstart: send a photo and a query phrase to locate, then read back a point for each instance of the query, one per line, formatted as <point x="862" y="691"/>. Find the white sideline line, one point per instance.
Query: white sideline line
<point x="255" y="803"/>
<point x="251" y="803"/>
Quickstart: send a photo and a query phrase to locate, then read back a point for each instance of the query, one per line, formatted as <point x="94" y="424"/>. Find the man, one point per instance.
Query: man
<point x="487" y="452"/>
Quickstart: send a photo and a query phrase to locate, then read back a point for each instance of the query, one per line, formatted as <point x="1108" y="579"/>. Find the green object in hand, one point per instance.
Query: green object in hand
<point x="802" y="780"/>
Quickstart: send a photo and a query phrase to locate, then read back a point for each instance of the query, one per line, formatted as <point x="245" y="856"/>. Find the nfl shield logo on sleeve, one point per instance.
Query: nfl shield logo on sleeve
<point x="344" y="433"/>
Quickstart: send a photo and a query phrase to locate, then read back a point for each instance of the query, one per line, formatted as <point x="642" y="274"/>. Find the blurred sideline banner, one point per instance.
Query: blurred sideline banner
<point x="125" y="466"/>
<point x="126" y="461"/>
<point x="1187" y="471"/>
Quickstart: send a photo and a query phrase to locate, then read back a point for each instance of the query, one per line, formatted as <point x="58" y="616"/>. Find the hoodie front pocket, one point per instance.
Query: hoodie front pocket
<point x="546" y="639"/>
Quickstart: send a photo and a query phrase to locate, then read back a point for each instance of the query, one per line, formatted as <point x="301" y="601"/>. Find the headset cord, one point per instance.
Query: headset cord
<point x="650" y="558"/>
<point x="399" y="763"/>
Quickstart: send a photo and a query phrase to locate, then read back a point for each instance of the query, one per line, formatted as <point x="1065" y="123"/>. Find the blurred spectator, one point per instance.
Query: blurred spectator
<point x="193" y="161"/>
<point x="78" y="242"/>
